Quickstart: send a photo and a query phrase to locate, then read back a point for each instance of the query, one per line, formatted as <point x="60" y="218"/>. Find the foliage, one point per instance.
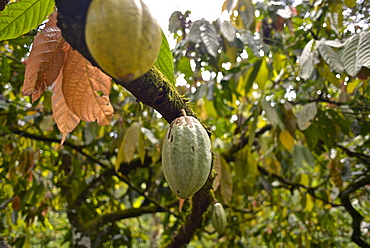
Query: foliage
<point x="284" y="91"/>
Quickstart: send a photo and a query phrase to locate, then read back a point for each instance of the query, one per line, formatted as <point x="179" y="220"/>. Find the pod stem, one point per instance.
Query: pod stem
<point x="182" y="112"/>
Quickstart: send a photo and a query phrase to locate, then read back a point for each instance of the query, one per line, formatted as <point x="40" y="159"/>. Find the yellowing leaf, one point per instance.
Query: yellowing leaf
<point x="350" y="3"/>
<point x="336" y="167"/>
<point x="286" y="140"/>
<point x="231" y="51"/>
<point x="217" y="166"/>
<point x="273" y="165"/>
<point x="305" y="180"/>
<point x="137" y="203"/>
<point x="86" y="89"/>
<point x="129" y="144"/>
<point x="45" y="61"/>
<point x="263" y="75"/>
<point x="310" y="203"/>
<point x="65" y="119"/>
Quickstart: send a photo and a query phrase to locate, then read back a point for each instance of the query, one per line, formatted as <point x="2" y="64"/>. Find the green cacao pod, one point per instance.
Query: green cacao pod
<point x="219" y="220"/>
<point x="123" y="37"/>
<point x="186" y="156"/>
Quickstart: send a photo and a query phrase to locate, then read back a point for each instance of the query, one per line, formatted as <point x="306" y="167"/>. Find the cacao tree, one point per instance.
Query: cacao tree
<point x="281" y="87"/>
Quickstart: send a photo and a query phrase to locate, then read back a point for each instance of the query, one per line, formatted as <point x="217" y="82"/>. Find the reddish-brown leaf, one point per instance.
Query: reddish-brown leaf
<point x="16" y="202"/>
<point x="65" y="119"/>
<point x="45" y="61"/>
<point x="86" y="89"/>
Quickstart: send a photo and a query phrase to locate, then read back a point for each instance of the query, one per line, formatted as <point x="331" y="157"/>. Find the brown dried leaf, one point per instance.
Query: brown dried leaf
<point x="226" y="183"/>
<point x="46" y="59"/>
<point x="66" y="120"/>
<point x="16" y="202"/>
<point x="86" y="89"/>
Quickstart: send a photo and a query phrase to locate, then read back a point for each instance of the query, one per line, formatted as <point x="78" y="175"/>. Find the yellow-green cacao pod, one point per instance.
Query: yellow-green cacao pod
<point x="186" y="156"/>
<point x="123" y="37"/>
<point x="219" y="220"/>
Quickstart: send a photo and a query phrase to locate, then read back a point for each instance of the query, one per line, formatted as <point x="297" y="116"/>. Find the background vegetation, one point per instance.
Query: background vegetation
<point x="284" y="89"/>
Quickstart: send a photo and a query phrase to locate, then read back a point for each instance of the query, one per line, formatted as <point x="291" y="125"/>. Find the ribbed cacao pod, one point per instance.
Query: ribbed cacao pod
<point x="186" y="156"/>
<point x="219" y="220"/>
<point x="123" y="37"/>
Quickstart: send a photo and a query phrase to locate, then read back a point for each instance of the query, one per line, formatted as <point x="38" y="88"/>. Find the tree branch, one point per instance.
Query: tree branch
<point x="356" y="216"/>
<point x="291" y="186"/>
<point x="153" y="89"/>
<point x="360" y="156"/>
<point x="147" y="197"/>
<point x="79" y="149"/>
<point x="194" y="220"/>
<point x="229" y="155"/>
<point x="127" y="213"/>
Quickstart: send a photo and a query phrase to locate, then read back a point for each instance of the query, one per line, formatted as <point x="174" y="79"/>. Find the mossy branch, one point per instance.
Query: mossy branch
<point x="152" y="89"/>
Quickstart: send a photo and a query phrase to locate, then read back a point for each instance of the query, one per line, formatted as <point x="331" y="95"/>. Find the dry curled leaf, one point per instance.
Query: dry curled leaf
<point x="66" y="120"/>
<point x="86" y="89"/>
<point x="46" y="59"/>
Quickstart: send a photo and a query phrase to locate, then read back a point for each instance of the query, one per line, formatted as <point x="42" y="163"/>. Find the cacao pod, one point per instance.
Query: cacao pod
<point x="219" y="221"/>
<point x="186" y="156"/>
<point x="123" y="37"/>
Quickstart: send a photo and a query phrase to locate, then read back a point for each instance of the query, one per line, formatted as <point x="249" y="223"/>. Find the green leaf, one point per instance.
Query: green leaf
<point x="129" y="144"/>
<point x="141" y="146"/>
<point x="175" y="22"/>
<point x="350" y="3"/>
<point x="325" y="71"/>
<point x="194" y="32"/>
<point x="339" y="120"/>
<point x="226" y="183"/>
<point x="326" y="129"/>
<point x="356" y="53"/>
<point x="249" y="77"/>
<point x="246" y="13"/>
<point x="272" y="114"/>
<point x="307" y="156"/>
<point x="165" y="60"/>
<point x="331" y="57"/>
<point x="348" y="57"/>
<point x="307" y="114"/>
<point x="228" y="31"/>
<point x="209" y="38"/>
<point x="5" y="69"/>
<point x="247" y="37"/>
<point x="363" y="51"/>
<point x="20" y="17"/>
<point x="253" y="127"/>
<point x="263" y="74"/>
<point x="302" y="154"/>
<point x="308" y="60"/>
<point x="183" y="65"/>
<point x="246" y="168"/>
<point x="312" y="136"/>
